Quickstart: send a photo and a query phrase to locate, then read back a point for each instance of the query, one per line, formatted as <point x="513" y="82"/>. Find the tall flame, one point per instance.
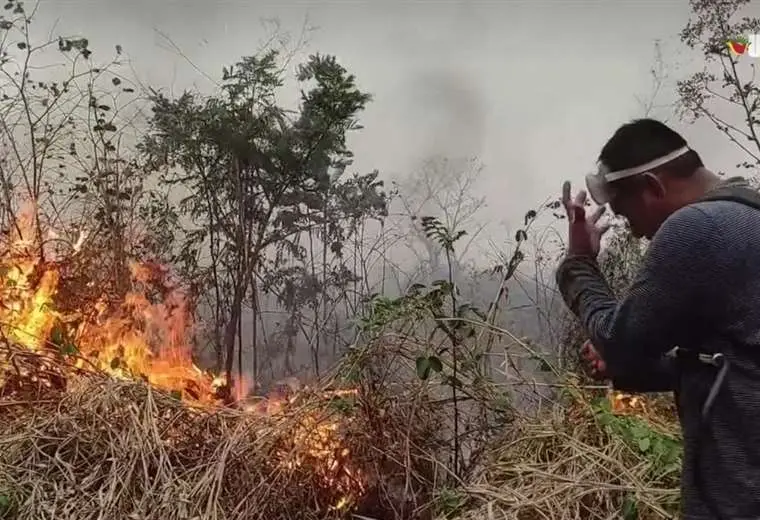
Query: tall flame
<point x="26" y="306"/>
<point x="136" y="338"/>
<point x="152" y="340"/>
<point x="143" y="337"/>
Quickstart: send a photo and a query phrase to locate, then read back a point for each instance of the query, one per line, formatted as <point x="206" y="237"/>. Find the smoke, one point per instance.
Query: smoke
<point x="450" y="109"/>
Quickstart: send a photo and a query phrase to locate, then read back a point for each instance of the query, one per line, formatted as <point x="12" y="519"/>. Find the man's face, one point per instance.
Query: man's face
<point x="629" y="210"/>
<point x="637" y="202"/>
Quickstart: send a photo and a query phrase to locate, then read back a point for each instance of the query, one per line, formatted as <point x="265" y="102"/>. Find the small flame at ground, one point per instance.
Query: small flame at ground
<point x="623" y="403"/>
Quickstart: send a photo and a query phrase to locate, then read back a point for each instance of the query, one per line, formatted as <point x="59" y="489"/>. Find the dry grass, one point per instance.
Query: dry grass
<point x="581" y="462"/>
<point x="86" y="447"/>
<point x="105" y="449"/>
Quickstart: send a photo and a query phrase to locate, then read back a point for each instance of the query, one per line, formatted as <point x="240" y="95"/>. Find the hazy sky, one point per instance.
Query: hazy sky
<point x="533" y="88"/>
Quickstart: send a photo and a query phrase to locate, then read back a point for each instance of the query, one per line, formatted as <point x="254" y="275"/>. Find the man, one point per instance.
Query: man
<point x="698" y="290"/>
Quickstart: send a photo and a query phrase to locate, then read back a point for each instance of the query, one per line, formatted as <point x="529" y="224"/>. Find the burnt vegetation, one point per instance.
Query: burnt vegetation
<point x="164" y="260"/>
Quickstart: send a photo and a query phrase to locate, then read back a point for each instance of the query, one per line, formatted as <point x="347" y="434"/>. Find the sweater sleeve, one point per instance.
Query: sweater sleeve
<point x="663" y="303"/>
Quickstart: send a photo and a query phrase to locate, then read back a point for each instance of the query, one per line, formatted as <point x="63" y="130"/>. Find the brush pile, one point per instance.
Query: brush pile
<point x="589" y="458"/>
<point x="89" y="446"/>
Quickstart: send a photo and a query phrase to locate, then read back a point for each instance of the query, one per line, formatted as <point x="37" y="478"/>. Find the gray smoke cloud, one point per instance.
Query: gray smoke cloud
<point x="453" y="108"/>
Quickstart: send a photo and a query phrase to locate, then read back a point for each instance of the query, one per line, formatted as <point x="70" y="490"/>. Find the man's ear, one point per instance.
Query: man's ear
<point x="654" y="185"/>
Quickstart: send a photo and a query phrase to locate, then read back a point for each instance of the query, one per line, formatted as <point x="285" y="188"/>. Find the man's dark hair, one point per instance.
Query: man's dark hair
<point x="644" y="140"/>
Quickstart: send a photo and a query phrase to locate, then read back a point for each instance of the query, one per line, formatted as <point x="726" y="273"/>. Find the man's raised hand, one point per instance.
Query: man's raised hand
<point x="584" y="233"/>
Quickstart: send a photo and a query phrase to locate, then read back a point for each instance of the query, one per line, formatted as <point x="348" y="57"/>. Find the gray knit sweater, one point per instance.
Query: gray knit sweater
<point x="699" y="288"/>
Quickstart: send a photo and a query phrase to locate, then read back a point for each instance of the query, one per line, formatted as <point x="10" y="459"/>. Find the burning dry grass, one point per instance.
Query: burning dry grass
<point x="106" y="448"/>
<point x="585" y="460"/>
<point x="104" y="414"/>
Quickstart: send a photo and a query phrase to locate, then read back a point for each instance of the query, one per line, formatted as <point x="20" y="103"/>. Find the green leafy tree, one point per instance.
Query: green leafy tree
<point x="258" y="178"/>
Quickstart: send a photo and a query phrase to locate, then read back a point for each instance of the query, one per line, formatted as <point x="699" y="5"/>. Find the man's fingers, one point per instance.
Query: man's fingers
<point x="578" y="213"/>
<point x="580" y="198"/>
<point x="573" y="206"/>
<point x="598" y="214"/>
<point x="566" y="195"/>
<point x="596" y="365"/>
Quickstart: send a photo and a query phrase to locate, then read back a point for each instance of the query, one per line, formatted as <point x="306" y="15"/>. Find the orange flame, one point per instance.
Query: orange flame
<point x="623" y="403"/>
<point x="148" y="338"/>
<point x="138" y="339"/>
<point x="26" y="307"/>
<point x="152" y="340"/>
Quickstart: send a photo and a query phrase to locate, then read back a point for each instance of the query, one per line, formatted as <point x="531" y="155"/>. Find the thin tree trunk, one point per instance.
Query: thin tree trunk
<point x="290" y="346"/>
<point x="231" y="329"/>
<point x="240" y="345"/>
<point x="314" y="340"/>
<point x="323" y="297"/>
<point x="254" y="327"/>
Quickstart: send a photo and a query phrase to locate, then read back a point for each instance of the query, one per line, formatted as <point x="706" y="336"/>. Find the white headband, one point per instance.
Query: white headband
<point x="597" y="184"/>
<point x="628" y="172"/>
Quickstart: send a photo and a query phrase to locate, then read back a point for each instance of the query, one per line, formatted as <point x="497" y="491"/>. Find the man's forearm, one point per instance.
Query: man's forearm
<point x="584" y="289"/>
<point x="674" y="284"/>
<point x="586" y="292"/>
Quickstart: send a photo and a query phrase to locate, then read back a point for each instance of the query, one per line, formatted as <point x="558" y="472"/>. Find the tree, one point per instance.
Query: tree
<point x="66" y="143"/>
<point x="259" y="178"/>
<point x="724" y="92"/>
<point x="442" y="188"/>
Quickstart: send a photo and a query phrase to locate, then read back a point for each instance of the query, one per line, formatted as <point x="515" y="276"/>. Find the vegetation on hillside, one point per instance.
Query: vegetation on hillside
<point x="147" y="239"/>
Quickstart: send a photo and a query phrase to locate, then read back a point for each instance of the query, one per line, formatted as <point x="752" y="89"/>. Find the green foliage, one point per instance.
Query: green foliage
<point x="242" y="156"/>
<point x="622" y="258"/>
<point x="435" y="230"/>
<point x="63" y="341"/>
<point x="508" y="269"/>
<point x="8" y="506"/>
<point x="450" y="502"/>
<point x="427" y="364"/>
<point x="383" y="311"/>
<point x="421" y="302"/>
<point x="663" y="452"/>
<point x="344" y="405"/>
<point x="630" y="509"/>
<point x="447" y="356"/>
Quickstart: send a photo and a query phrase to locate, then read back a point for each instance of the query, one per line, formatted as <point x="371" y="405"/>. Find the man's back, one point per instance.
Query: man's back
<point x="728" y="321"/>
